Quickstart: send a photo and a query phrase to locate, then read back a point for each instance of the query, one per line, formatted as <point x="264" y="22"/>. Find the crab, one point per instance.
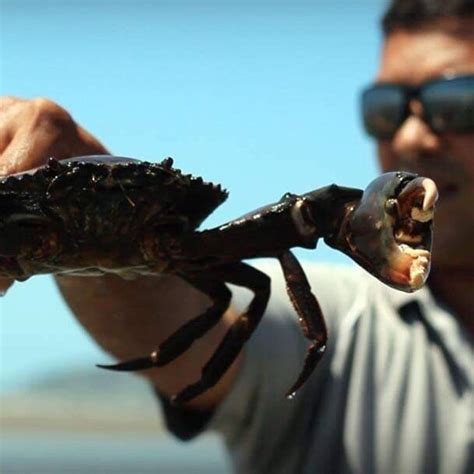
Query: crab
<point x="105" y="214"/>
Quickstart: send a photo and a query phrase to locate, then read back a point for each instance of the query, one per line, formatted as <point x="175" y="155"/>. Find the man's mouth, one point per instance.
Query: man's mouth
<point x="441" y="170"/>
<point x="447" y="190"/>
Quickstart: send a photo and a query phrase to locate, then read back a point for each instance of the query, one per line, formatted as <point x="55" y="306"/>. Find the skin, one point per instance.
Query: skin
<point x="130" y="318"/>
<point x="412" y="57"/>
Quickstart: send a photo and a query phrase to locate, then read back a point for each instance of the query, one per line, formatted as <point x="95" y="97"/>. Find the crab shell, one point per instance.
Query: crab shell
<point x="69" y="212"/>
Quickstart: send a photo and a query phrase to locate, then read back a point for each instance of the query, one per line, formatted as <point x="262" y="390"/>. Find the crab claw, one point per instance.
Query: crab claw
<point x="389" y="231"/>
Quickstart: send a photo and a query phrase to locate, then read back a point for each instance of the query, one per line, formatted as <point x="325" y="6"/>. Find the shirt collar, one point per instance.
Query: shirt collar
<point x="398" y="298"/>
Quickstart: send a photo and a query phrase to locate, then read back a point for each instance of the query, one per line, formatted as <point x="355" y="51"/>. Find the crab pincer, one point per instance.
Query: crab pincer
<point x="389" y="232"/>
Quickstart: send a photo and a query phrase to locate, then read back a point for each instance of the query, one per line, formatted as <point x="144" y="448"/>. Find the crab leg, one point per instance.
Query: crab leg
<point x="309" y="314"/>
<point x="181" y="340"/>
<point x="246" y="276"/>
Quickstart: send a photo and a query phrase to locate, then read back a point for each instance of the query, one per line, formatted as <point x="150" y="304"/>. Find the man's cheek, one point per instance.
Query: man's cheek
<point x="387" y="159"/>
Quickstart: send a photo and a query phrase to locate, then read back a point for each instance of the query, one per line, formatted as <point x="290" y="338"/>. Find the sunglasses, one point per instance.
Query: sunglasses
<point x="447" y="106"/>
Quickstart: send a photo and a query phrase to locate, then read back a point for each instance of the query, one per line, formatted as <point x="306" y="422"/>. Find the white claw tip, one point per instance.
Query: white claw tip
<point x="431" y="194"/>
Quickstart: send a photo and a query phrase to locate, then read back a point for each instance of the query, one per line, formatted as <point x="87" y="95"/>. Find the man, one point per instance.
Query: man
<point x="394" y="392"/>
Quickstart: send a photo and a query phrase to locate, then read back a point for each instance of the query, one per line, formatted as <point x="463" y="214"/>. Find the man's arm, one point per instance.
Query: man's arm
<point x="128" y="319"/>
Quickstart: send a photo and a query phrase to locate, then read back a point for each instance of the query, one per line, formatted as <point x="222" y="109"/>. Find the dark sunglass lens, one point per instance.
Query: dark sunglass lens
<point x="449" y="104"/>
<point x="383" y="110"/>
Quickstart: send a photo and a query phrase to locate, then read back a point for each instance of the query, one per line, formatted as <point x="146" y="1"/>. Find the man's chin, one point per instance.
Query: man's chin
<point x="449" y="257"/>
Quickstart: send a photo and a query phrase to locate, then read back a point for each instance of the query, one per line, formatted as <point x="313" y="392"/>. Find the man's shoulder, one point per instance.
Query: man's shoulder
<point x="338" y="288"/>
<point x="327" y="278"/>
<point x="325" y="271"/>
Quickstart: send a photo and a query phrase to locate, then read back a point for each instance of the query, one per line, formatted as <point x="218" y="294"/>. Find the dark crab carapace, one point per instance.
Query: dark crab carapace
<point x="102" y="214"/>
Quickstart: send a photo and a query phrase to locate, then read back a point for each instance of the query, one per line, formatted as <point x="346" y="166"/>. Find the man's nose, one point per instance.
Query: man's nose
<point x="415" y="136"/>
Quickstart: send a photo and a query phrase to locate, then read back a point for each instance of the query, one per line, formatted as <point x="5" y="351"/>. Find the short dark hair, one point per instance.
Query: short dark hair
<point x="414" y="13"/>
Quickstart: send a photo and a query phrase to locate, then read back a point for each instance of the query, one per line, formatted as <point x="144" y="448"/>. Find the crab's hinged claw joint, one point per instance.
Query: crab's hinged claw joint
<point x="421" y="194"/>
<point x="389" y="231"/>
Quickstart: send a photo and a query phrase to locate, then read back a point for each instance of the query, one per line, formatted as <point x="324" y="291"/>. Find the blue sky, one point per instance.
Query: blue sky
<point x="260" y="96"/>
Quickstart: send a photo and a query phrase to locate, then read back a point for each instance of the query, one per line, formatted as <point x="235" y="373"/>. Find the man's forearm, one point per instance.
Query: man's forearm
<point x="129" y="319"/>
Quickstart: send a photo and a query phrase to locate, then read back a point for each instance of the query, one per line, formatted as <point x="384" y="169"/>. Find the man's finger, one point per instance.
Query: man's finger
<point x="37" y="130"/>
<point x="5" y="283"/>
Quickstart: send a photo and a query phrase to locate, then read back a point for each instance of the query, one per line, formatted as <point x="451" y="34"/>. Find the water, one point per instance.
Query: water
<point x="44" y="453"/>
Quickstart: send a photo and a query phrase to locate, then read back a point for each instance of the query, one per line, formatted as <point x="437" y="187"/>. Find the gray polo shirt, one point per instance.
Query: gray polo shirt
<point x="393" y="393"/>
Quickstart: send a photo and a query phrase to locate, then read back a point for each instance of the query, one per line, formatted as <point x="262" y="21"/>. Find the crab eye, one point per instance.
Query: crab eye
<point x="391" y="207"/>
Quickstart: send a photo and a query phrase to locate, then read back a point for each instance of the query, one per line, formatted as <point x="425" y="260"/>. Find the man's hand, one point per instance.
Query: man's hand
<point x="31" y="131"/>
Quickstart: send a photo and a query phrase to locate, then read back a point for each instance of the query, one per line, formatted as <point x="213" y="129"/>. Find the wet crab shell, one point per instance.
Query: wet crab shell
<point x="95" y="201"/>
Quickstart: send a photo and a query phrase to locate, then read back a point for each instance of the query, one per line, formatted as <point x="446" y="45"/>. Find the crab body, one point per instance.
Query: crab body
<point x="91" y="215"/>
<point x="100" y="214"/>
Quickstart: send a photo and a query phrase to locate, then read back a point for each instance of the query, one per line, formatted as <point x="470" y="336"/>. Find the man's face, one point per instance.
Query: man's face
<point x="412" y="57"/>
